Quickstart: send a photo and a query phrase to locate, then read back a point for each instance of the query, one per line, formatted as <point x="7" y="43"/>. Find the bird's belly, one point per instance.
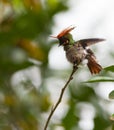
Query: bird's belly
<point x="75" y="56"/>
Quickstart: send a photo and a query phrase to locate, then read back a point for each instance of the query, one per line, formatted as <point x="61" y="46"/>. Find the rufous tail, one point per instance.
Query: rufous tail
<point x="93" y="66"/>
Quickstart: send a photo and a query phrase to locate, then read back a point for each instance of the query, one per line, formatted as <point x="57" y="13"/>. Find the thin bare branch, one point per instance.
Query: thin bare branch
<point x="60" y="97"/>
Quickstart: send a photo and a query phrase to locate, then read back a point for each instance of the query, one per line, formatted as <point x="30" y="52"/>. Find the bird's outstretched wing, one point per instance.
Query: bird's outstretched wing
<point x="89" y="42"/>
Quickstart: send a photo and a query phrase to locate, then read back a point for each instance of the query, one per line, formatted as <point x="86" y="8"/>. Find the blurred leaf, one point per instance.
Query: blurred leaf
<point x="6" y="23"/>
<point x="4" y="1"/>
<point x="112" y="117"/>
<point x="34" y="5"/>
<point x="111" y="95"/>
<point x="55" y="6"/>
<point x="45" y="103"/>
<point x="33" y="50"/>
<point x="70" y="120"/>
<point x="101" y="123"/>
<point x="112" y="126"/>
<point x="110" y="68"/>
<point x="17" y="6"/>
<point x="100" y="79"/>
<point x="82" y="93"/>
<point x="10" y="100"/>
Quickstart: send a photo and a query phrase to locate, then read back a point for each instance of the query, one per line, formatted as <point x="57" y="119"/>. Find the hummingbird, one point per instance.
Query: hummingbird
<point x="78" y="51"/>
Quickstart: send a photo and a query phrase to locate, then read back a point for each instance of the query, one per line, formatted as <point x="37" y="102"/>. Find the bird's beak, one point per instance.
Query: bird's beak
<point x="54" y="37"/>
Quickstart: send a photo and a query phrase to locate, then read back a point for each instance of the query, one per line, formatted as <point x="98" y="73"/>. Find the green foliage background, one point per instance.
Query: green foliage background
<point x="24" y="34"/>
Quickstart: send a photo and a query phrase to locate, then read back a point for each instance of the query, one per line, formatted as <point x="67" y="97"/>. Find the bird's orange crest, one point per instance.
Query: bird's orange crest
<point x="64" y="32"/>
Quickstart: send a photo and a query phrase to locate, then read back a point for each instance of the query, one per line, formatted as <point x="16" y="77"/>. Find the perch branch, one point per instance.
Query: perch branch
<point x="60" y="97"/>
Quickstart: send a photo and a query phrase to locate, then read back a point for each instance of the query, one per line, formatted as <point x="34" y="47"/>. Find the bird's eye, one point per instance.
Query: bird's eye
<point x="67" y="41"/>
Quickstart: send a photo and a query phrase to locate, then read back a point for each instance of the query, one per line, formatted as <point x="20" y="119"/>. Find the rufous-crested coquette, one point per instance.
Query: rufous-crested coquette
<point x="77" y="51"/>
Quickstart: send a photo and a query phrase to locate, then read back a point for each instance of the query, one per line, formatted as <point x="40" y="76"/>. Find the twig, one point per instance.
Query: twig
<point x="60" y="97"/>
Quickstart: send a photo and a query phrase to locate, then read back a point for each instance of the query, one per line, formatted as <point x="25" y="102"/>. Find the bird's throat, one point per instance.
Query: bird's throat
<point x="67" y="47"/>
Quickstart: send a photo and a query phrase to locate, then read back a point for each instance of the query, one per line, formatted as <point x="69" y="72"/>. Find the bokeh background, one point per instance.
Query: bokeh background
<point x="33" y="69"/>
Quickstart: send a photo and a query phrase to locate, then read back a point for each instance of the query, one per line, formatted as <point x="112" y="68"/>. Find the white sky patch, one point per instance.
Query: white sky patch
<point x="87" y="14"/>
<point x="57" y="58"/>
<point x="104" y="89"/>
<point x="33" y="74"/>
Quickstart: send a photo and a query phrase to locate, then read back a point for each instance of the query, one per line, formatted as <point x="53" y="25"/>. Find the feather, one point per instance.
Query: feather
<point x="65" y="31"/>
<point x="93" y="66"/>
<point x="89" y="42"/>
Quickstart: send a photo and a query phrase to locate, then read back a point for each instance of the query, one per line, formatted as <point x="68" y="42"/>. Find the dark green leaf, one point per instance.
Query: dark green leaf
<point x="112" y="126"/>
<point x="100" y="123"/>
<point x="110" y="68"/>
<point x="100" y="79"/>
<point x="111" y="95"/>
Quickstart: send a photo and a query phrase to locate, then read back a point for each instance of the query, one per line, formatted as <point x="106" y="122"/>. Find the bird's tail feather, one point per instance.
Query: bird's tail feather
<point x="93" y="66"/>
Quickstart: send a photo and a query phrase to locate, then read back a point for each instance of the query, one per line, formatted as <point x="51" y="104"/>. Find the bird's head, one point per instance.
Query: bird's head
<point x="65" y="37"/>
